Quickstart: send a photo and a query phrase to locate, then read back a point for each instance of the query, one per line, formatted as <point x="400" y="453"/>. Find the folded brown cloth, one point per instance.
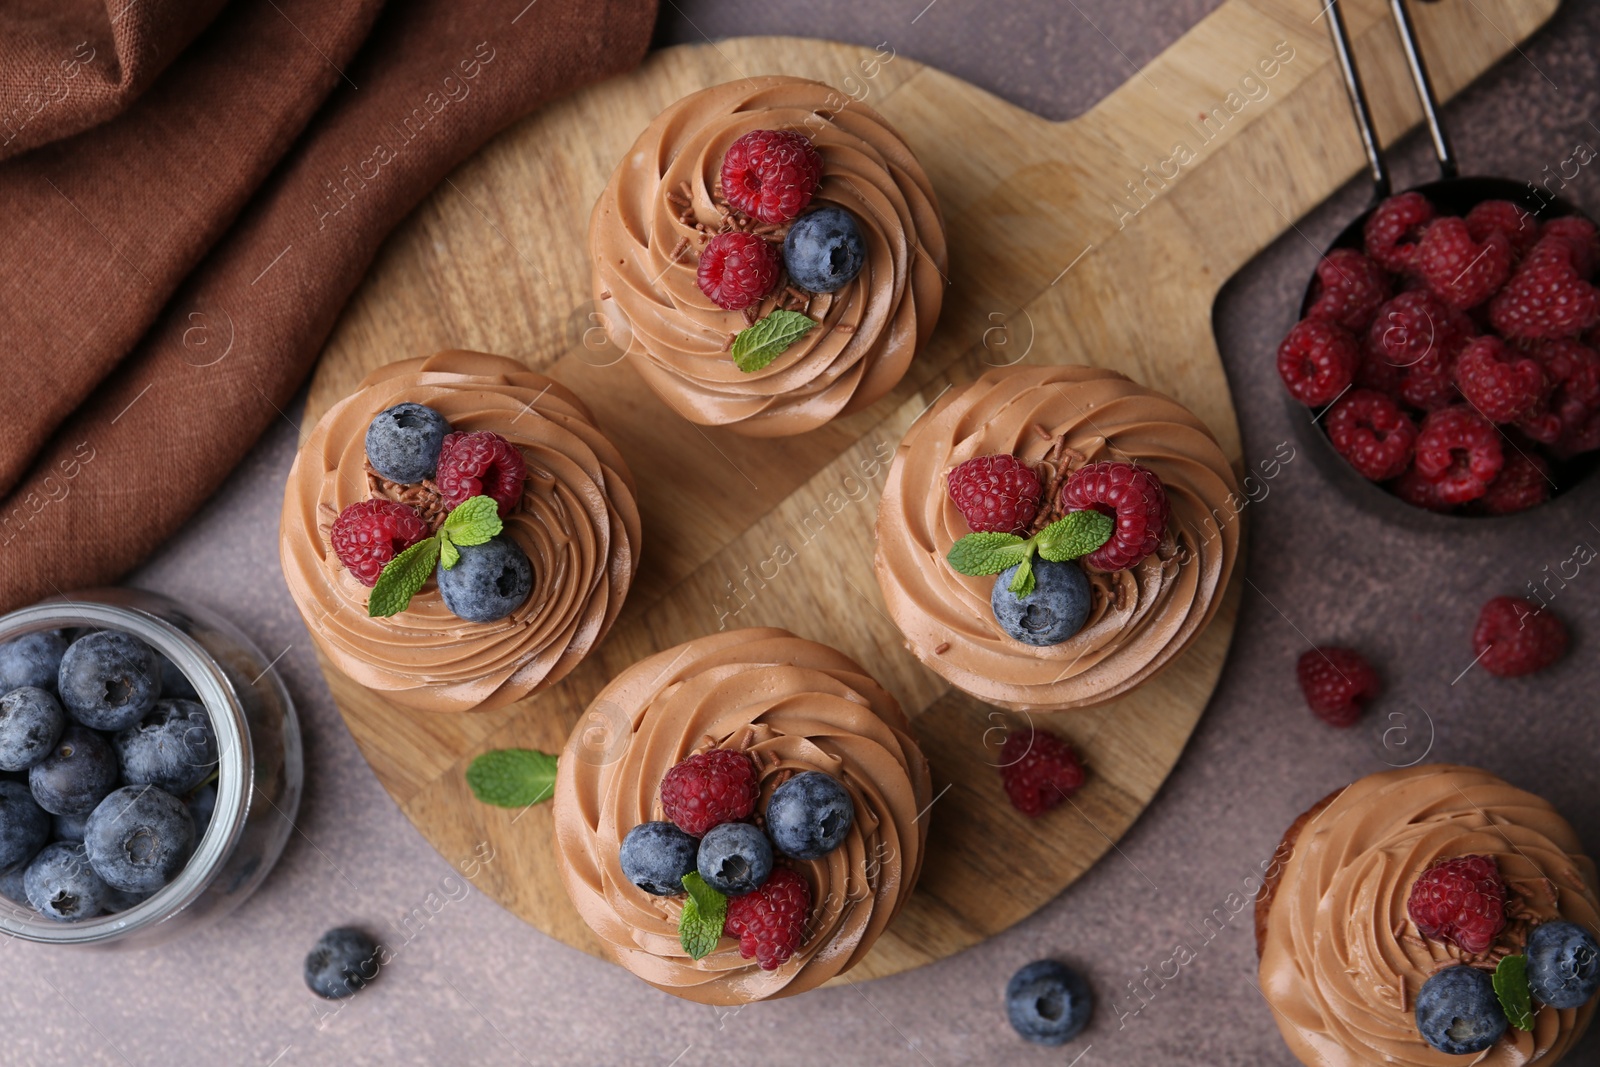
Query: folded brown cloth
<point x="170" y="275"/>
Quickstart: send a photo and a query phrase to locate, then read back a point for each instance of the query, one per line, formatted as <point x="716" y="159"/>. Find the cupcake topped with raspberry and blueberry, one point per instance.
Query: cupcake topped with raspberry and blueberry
<point x="759" y="823"/>
<point x="1051" y="537"/>
<point x="770" y="255"/>
<point x="1453" y="358"/>
<point x="458" y="533"/>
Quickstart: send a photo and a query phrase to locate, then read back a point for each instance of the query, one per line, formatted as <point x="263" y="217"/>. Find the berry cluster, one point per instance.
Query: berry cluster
<point x="1456" y="356"/>
<point x="708" y="800"/>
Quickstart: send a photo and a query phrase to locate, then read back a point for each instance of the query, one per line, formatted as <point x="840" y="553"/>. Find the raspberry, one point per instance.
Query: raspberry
<point x="1546" y="296"/>
<point x="1462" y="900"/>
<point x="1038" y="771"/>
<point x="1580" y="233"/>
<point x="709" y="789"/>
<point x="1317" y="361"/>
<point x="1519" y="228"/>
<point x="1504" y="385"/>
<point x="1349" y="290"/>
<point x="1133" y="497"/>
<point x="1460" y="271"/>
<point x="1567" y="420"/>
<point x="1377" y="373"/>
<point x="1337" y="683"/>
<point x="1419" y="336"/>
<point x="771" y="922"/>
<point x="1459" y="451"/>
<point x="1516" y="637"/>
<point x="1373" y="433"/>
<point x="737" y="270"/>
<point x="995" y="493"/>
<point x="1523" y="482"/>
<point x="481" y="464"/>
<point x="771" y="174"/>
<point x="369" y="533"/>
<point x="1417" y="491"/>
<point x="1392" y="231"/>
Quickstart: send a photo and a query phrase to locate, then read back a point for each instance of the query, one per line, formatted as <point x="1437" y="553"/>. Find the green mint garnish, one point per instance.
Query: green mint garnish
<point x="764" y="341"/>
<point x="471" y="522"/>
<point x="512" y="777"/>
<point x="704" y="912"/>
<point x="1511" y="987"/>
<point x="1075" y="534"/>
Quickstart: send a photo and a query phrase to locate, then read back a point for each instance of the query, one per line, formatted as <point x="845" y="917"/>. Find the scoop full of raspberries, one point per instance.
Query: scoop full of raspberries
<point x="1451" y="411"/>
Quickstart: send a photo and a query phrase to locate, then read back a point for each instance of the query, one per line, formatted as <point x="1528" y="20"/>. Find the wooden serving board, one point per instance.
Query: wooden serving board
<point x="1054" y="258"/>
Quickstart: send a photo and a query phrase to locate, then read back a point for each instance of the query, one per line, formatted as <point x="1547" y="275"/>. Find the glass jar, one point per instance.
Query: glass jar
<point x="259" y="769"/>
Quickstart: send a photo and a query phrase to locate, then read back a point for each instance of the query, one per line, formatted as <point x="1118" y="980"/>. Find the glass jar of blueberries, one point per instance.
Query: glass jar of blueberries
<point x="150" y="768"/>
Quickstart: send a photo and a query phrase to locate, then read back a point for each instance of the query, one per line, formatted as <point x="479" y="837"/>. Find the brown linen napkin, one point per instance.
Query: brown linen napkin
<point x="125" y="246"/>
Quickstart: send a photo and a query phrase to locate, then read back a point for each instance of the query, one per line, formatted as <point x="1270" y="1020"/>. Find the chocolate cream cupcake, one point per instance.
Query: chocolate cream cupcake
<point x="765" y="768"/>
<point x="457" y="533"/>
<point x="1051" y="537"/>
<point x="769" y="254"/>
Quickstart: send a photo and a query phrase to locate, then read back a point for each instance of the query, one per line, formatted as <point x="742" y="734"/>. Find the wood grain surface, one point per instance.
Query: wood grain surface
<point x="1103" y="240"/>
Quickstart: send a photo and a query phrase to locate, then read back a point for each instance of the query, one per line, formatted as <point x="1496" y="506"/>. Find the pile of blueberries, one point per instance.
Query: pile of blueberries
<point x="107" y="772"/>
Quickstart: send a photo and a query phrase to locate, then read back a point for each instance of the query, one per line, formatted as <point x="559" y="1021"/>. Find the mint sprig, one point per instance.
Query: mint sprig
<point x="1075" y="534"/>
<point x="704" y="912"/>
<point x="766" y="339"/>
<point x="512" y="777"/>
<point x="471" y="522"/>
<point x="1511" y="987"/>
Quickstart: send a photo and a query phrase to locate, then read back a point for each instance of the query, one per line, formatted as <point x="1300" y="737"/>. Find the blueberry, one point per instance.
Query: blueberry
<point x="77" y="774"/>
<point x="1048" y="1002"/>
<point x="109" y="680"/>
<point x="32" y="659"/>
<point x="68" y="827"/>
<point x="1458" y="1012"/>
<point x="174" y="683"/>
<point x="656" y="855"/>
<point x="11" y="886"/>
<point x="1055" y="610"/>
<point x="1563" y="964"/>
<point x="403" y="442"/>
<point x="342" y="963"/>
<point x="31" y="722"/>
<point x="173" y="747"/>
<point x="824" y="250"/>
<point x="117" y="900"/>
<point x="735" y="858"/>
<point x="24" y="826"/>
<point x="139" y="837"/>
<point x="62" y="885"/>
<point x="488" y="582"/>
<point x="809" y="815"/>
<point x="201" y="805"/>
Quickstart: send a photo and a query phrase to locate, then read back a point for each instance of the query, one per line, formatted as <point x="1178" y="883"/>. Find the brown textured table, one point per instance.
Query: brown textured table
<point x="472" y="985"/>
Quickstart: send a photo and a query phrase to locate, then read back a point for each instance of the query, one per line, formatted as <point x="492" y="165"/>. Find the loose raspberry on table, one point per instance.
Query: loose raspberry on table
<point x="1337" y="683"/>
<point x="1417" y="491"/>
<point x="1458" y="270"/>
<point x="1317" y="361"/>
<point x="770" y="923"/>
<point x="1373" y="433"/>
<point x="1349" y="290"/>
<point x="1136" y="501"/>
<point x="1546" y="295"/>
<point x="771" y="174"/>
<point x="1459" y="451"/>
<point x="709" y="789"/>
<point x="737" y="270"/>
<point x="1038" y="771"/>
<point x="995" y="493"/>
<point x="1512" y="221"/>
<point x="1394" y="228"/>
<point x="1523" y="482"/>
<point x="369" y="533"/>
<point x="1585" y="241"/>
<point x="481" y="463"/>
<point x="1514" y="637"/>
<point x="1461" y="900"/>
<point x="1502" y="384"/>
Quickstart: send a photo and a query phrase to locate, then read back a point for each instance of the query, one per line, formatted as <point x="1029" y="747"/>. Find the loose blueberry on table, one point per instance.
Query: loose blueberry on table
<point x="1048" y="1003"/>
<point x="343" y="962"/>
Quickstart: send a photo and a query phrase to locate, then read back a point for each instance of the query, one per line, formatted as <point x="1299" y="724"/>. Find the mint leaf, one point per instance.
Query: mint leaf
<point x="1511" y="987"/>
<point x="1075" y="534"/>
<point x="449" y="555"/>
<point x="764" y="341"/>
<point x="978" y="554"/>
<point x="1022" y="582"/>
<point x="700" y="925"/>
<point x="472" y="522"/>
<point x="402" y="577"/>
<point x="512" y="777"/>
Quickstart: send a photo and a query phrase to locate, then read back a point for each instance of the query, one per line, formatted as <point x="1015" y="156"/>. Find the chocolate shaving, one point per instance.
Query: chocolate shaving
<point x="422" y="497"/>
<point x="1059" y="462"/>
<point x="942" y="648"/>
